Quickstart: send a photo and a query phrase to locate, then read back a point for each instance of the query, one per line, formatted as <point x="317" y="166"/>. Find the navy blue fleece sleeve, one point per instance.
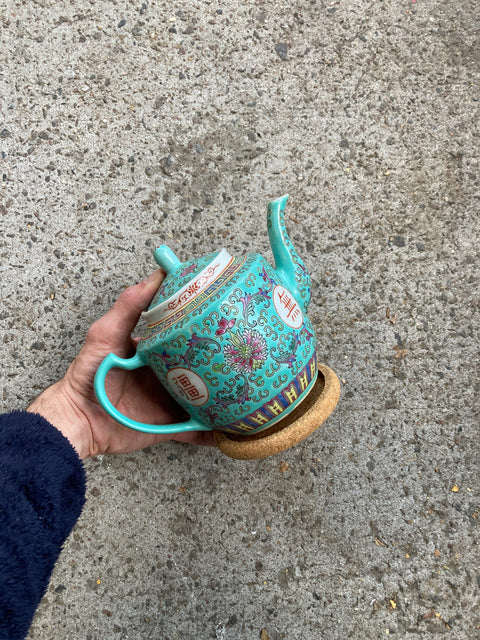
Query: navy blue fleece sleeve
<point x="42" y="492"/>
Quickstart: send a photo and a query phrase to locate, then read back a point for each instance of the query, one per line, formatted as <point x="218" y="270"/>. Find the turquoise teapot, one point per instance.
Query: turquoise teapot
<point x="228" y="337"/>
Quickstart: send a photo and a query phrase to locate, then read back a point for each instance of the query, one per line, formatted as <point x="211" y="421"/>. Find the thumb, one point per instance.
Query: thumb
<point x="116" y="326"/>
<point x="126" y="311"/>
<point x="111" y="333"/>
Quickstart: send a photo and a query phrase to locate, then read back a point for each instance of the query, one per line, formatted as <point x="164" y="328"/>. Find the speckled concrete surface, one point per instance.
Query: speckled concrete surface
<point x="126" y="125"/>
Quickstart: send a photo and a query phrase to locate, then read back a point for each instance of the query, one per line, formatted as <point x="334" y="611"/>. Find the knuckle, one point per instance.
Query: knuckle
<point x="129" y="294"/>
<point x="131" y="298"/>
<point x="94" y="332"/>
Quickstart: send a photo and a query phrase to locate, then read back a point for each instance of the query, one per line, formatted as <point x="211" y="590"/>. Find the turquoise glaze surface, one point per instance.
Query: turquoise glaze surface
<point x="228" y="337"/>
<point x="184" y="274"/>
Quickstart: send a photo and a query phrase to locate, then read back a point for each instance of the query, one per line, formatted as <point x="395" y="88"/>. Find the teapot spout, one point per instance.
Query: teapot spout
<point x="290" y="268"/>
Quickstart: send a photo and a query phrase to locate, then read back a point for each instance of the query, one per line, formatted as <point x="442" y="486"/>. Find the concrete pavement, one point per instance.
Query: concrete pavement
<point x="127" y="125"/>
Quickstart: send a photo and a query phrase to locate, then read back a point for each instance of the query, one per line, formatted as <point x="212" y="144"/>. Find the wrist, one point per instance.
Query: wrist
<point x="55" y="406"/>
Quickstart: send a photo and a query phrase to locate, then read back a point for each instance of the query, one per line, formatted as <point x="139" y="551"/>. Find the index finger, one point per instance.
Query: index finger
<point x="118" y="323"/>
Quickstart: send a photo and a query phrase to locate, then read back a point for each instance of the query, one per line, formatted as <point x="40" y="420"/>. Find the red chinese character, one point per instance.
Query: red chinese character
<point x="193" y="393"/>
<point x="288" y="304"/>
<point x="187" y="388"/>
<point x="295" y="313"/>
<point x="182" y="380"/>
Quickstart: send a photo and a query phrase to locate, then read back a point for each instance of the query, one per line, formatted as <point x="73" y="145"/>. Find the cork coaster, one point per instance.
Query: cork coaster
<point x="299" y="424"/>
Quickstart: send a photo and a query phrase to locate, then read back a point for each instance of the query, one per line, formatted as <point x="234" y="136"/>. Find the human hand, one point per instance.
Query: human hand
<point x="71" y="404"/>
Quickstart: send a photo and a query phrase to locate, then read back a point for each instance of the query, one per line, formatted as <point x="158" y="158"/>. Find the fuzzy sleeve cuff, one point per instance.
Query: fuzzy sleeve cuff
<point x="42" y="493"/>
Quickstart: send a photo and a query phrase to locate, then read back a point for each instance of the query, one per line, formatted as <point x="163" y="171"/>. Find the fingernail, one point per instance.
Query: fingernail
<point x="155" y="278"/>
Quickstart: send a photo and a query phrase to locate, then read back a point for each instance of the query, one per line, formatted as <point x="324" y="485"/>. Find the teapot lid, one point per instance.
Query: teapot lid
<point x="184" y="281"/>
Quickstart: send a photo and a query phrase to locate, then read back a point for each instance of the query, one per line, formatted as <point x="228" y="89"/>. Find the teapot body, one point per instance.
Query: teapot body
<point x="228" y="337"/>
<point x="233" y="346"/>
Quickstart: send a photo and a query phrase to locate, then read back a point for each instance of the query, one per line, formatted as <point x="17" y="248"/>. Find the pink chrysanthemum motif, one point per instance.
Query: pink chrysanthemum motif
<point x="188" y="270"/>
<point x="246" y="352"/>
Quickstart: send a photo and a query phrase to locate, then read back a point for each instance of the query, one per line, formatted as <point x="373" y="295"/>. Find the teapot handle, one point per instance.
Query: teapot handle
<point x="136" y="362"/>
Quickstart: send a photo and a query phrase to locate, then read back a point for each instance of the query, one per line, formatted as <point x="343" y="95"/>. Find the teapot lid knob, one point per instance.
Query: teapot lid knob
<point x="166" y="259"/>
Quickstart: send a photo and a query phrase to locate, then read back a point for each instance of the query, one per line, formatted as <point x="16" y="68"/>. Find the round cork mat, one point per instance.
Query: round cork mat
<point x="299" y="424"/>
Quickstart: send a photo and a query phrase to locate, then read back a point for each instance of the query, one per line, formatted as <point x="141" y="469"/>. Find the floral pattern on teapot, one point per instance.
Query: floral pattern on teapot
<point x="233" y="366"/>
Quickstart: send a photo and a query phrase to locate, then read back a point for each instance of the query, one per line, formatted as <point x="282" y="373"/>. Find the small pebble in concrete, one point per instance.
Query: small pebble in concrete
<point x="282" y="50"/>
